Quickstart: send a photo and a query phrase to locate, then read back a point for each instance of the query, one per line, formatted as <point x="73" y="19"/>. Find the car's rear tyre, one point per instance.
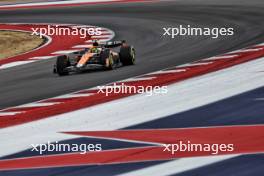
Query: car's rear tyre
<point x="61" y="65"/>
<point x="127" y="55"/>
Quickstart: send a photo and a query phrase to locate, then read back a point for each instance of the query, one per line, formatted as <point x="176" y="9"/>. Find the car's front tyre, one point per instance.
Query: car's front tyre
<point x="127" y="55"/>
<point x="61" y="65"/>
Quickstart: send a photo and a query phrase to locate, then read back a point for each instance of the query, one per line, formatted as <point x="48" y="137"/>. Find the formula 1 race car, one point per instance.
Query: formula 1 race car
<point x="99" y="56"/>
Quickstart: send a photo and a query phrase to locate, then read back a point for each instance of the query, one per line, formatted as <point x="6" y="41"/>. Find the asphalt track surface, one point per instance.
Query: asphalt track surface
<point x="141" y="25"/>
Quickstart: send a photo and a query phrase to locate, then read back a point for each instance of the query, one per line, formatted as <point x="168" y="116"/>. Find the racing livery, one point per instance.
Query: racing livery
<point x="99" y="56"/>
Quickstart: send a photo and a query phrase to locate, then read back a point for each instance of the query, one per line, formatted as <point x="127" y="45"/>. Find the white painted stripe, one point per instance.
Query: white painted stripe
<point x="38" y="104"/>
<point x="41" y="58"/>
<point x="56" y="3"/>
<point x="76" y="95"/>
<point x="194" y="64"/>
<point x="261" y="44"/>
<point x="13" y="64"/>
<point x="246" y="50"/>
<point x="65" y="52"/>
<point x="178" y="166"/>
<point x="221" y="57"/>
<point x="181" y="97"/>
<point x="10" y="113"/>
<point x="168" y="71"/>
<point x="138" y="79"/>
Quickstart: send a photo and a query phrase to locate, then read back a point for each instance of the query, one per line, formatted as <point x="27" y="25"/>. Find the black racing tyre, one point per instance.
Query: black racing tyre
<point x="61" y="65"/>
<point x="127" y="55"/>
<point x="107" y="59"/>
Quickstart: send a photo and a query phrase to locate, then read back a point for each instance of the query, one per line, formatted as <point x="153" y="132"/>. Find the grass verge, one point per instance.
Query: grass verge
<point x="13" y="43"/>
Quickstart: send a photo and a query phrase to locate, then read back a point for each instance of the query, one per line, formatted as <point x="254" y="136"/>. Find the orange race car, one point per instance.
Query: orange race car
<point x="99" y="56"/>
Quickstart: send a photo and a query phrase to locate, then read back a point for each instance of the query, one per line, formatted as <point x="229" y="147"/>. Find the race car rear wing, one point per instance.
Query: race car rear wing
<point x="113" y="44"/>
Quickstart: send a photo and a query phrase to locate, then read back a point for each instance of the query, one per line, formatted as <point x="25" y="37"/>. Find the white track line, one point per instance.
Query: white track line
<point x="194" y="64"/>
<point x="73" y="96"/>
<point x="138" y="79"/>
<point x="10" y="113"/>
<point x="37" y="104"/>
<point x="168" y="71"/>
<point x="246" y="50"/>
<point x="221" y="57"/>
<point x="261" y="44"/>
<point x="55" y="3"/>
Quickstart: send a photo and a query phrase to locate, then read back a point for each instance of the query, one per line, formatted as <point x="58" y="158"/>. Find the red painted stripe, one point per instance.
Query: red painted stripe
<point x="246" y="139"/>
<point x="72" y="4"/>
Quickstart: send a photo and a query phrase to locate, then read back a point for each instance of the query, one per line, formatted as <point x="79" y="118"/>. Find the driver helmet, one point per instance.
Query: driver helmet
<point x="95" y="49"/>
<point x="95" y="43"/>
